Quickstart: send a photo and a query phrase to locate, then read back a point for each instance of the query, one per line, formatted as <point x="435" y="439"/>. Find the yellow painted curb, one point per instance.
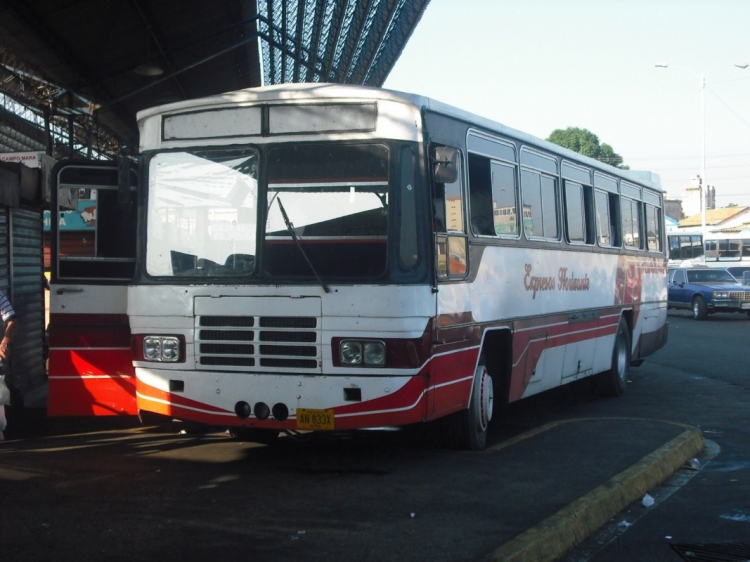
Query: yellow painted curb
<point x="560" y="532"/>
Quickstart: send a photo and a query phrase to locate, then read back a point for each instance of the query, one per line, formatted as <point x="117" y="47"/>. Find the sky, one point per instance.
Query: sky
<point x="541" y="65"/>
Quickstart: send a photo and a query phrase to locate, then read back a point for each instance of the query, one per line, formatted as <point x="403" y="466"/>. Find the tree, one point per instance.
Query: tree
<point x="587" y="143"/>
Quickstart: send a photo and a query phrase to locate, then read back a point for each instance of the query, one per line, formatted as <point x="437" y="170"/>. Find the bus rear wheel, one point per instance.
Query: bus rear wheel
<point x="467" y="429"/>
<point x="612" y="383"/>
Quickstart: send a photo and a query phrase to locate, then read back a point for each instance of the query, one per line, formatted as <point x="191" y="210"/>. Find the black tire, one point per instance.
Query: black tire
<point x="700" y="310"/>
<point x="612" y="383"/>
<point x="467" y="429"/>
<point x="263" y="436"/>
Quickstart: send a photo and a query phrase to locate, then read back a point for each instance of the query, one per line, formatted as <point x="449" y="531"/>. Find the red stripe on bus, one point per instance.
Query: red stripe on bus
<point x="81" y="362"/>
<point x="111" y="396"/>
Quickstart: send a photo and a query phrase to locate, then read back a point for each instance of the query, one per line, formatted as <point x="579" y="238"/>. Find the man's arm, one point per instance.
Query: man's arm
<point x="11" y="327"/>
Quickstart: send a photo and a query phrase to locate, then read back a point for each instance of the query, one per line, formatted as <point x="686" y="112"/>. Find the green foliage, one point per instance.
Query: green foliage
<point x="587" y="143"/>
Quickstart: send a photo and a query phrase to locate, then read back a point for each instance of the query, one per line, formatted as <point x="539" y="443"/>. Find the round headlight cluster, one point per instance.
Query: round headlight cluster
<point x="369" y="353"/>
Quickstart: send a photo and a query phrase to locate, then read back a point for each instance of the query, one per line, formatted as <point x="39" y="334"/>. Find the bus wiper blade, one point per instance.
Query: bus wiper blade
<point x="290" y="228"/>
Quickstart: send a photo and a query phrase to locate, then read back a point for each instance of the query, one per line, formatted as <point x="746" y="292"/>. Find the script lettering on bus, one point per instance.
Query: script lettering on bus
<point x="563" y="282"/>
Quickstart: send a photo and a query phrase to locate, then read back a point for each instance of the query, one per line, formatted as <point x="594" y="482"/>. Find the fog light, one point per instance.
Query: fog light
<point x="242" y="409"/>
<point x="262" y="411"/>
<point x="280" y="412"/>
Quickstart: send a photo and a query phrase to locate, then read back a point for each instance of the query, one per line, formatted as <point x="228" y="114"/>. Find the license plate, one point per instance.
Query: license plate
<point x="316" y="419"/>
<point x="745" y="305"/>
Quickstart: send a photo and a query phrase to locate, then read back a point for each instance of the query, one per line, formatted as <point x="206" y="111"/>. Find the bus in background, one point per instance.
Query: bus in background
<point x="92" y="261"/>
<point x="332" y="258"/>
<point x="722" y="249"/>
<point x="685" y="246"/>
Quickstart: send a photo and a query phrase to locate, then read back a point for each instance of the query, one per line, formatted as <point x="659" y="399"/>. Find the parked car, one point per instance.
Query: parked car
<point x="738" y="271"/>
<point x="706" y="290"/>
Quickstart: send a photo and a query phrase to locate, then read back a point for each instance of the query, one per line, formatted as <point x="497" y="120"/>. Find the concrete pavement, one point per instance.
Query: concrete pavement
<point x="529" y="497"/>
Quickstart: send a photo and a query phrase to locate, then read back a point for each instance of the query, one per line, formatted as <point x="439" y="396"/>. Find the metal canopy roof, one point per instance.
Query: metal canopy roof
<point x="90" y="65"/>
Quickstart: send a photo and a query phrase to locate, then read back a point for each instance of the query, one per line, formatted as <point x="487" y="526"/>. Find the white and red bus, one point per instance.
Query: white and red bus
<point x="329" y="257"/>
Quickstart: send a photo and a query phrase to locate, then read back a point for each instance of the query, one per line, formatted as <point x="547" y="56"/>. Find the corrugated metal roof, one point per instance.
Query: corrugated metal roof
<point x="713" y="216"/>
<point x="85" y="61"/>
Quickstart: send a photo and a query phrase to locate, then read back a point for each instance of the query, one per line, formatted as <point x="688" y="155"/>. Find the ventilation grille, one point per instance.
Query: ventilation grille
<point x="258" y="343"/>
<point x="739" y="296"/>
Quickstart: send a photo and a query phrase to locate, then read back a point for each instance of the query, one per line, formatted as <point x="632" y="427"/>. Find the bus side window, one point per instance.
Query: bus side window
<point x="579" y="215"/>
<point x="480" y="196"/>
<point x="631" y="224"/>
<point x="604" y="236"/>
<point x="608" y="223"/>
<point x="540" y="199"/>
<point x="504" y="199"/>
<point x="653" y="229"/>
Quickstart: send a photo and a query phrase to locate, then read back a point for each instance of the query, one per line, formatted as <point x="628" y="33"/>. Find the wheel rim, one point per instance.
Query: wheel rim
<point x="696" y="309"/>
<point x="486" y="399"/>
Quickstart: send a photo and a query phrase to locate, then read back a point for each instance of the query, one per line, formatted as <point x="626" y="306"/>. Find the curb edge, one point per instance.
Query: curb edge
<point x="560" y="532"/>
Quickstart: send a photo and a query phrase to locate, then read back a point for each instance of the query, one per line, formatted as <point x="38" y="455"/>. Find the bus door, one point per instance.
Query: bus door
<point x="92" y="247"/>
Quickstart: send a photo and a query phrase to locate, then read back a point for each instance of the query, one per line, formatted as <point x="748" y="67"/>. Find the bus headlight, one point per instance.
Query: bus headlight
<point x="368" y="353"/>
<point x="350" y="352"/>
<point x="375" y="353"/>
<point x="165" y="349"/>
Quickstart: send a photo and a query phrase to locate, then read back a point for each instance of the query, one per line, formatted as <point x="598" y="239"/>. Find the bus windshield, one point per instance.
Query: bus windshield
<point x="324" y="208"/>
<point x="202" y="213"/>
<point x="335" y="198"/>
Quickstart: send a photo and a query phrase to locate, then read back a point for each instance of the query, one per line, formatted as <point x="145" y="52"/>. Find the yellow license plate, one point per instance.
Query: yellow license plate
<point x="315" y="419"/>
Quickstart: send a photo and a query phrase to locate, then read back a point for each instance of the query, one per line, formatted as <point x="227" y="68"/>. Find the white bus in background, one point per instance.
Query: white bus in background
<point x="332" y="258"/>
<point x="721" y="249"/>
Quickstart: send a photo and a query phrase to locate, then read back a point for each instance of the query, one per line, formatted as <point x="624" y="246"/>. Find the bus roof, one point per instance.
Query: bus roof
<point x="317" y="91"/>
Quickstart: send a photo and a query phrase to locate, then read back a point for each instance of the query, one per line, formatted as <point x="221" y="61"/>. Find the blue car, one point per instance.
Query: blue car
<point x="706" y="291"/>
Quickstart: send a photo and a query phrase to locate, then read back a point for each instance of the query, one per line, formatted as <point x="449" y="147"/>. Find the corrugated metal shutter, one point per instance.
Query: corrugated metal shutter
<point x="28" y="369"/>
<point x="4" y="251"/>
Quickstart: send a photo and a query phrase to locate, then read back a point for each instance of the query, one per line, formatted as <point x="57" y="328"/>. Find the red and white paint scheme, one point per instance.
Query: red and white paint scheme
<point x="329" y="257"/>
<point x="90" y="362"/>
<point x="91" y="369"/>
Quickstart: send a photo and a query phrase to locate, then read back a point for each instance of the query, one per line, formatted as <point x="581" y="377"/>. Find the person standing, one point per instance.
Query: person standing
<point x="8" y="316"/>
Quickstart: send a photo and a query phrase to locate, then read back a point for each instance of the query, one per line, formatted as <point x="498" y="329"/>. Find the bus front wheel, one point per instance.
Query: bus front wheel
<point x="467" y="429"/>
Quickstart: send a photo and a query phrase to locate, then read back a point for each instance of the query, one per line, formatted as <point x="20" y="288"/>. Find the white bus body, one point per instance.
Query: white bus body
<point x="313" y="256"/>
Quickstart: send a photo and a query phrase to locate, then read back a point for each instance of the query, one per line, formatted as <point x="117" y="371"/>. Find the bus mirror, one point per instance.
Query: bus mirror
<point x="446" y="164"/>
<point x="123" y="180"/>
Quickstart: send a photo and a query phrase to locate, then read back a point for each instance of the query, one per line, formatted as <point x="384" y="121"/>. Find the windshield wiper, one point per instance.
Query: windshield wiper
<point x="290" y="228"/>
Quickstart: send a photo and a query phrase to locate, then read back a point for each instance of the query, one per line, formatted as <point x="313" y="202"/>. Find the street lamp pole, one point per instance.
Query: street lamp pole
<point x="703" y="181"/>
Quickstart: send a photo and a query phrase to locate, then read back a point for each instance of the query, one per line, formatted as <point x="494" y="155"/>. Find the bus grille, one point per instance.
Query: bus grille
<point x="258" y="343"/>
<point x="739" y="296"/>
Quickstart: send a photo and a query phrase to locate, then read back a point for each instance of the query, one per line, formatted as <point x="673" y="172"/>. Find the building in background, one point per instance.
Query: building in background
<point x="691" y="197"/>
